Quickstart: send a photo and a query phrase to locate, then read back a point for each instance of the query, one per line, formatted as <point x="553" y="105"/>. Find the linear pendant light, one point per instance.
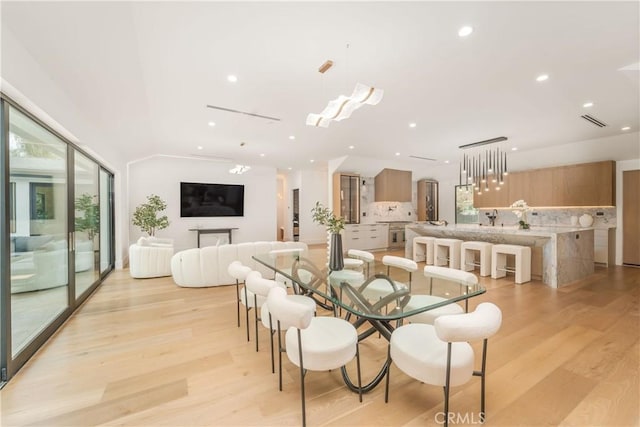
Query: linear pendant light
<point x="342" y="107"/>
<point x="479" y="166"/>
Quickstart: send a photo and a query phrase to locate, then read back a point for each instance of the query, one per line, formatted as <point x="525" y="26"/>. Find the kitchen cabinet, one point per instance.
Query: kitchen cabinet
<point x="365" y="236"/>
<point x="346" y="196"/>
<point x="604" y="243"/>
<point x="586" y="184"/>
<point x="392" y="185"/>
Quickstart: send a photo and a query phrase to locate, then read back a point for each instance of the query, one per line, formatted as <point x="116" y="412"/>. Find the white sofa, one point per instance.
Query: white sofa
<point x="203" y="267"/>
<point x="150" y="257"/>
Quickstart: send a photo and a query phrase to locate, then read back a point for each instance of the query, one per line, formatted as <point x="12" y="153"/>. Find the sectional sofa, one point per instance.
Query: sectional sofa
<point x="203" y="267"/>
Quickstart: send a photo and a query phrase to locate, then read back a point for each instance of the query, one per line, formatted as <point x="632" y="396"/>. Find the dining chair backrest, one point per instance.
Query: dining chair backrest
<point x="288" y="311"/>
<point x="452" y="274"/>
<point x="363" y="255"/>
<point x="479" y="324"/>
<point x="399" y="262"/>
<point x="238" y="271"/>
<point x="258" y="285"/>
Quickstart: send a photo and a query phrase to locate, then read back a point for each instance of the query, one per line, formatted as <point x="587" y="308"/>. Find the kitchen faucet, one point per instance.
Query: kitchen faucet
<point x="492" y="217"/>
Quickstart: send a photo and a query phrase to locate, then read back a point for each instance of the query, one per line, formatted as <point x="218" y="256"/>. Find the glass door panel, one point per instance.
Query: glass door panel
<point x="39" y="276"/>
<point x="86" y="222"/>
<point x="106" y="221"/>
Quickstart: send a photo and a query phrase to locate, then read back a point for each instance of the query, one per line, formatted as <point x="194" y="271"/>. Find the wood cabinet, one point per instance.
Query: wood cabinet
<point x="365" y="236"/>
<point x="587" y="184"/>
<point x="393" y="185"/>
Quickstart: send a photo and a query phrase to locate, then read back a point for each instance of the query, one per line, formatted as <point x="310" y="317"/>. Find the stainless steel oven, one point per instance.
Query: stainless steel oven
<point x="396" y="234"/>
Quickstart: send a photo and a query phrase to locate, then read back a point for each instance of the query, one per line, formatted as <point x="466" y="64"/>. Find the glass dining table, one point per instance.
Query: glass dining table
<point x="374" y="299"/>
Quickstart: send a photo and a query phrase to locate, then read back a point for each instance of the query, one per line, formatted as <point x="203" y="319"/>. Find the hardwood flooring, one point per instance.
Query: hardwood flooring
<point x="149" y="353"/>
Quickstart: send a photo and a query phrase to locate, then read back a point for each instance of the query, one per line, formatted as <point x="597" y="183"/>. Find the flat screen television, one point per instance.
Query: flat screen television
<point x="210" y="200"/>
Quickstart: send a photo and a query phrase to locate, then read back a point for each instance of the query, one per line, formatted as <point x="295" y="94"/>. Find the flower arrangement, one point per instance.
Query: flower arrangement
<point x="520" y="208"/>
<point x="324" y="216"/>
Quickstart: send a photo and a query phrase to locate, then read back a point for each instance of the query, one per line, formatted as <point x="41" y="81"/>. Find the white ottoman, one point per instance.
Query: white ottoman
<point x="523" y="262"/>
<point x="467" y="261"/>
<point x="427" y="255"/>
<point x="447" y="252"/>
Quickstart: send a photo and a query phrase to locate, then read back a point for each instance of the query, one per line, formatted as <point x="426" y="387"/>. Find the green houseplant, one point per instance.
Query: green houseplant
<point x="89" y="219"/>
<point x="324" y="216"/>
<point x="146" y="215"/>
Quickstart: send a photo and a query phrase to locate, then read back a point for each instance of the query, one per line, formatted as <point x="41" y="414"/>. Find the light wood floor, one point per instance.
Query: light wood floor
<point x="148" y="353"/>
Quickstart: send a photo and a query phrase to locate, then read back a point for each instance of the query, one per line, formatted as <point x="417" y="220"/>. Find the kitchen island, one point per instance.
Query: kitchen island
<point x="558" y="255"/>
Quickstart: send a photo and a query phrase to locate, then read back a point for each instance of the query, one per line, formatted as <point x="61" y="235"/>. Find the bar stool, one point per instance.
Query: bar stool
<point x="427" y="256"/>
<point x="467" y="261"/>
<point x="523" y="262"/>
<point x="447" y="251"/>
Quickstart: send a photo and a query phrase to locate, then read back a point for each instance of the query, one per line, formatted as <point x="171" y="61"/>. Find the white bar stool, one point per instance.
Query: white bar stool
<point x="467" y="261"/>
<point x="427" y="255"/>
<point x="523" y="262"/>
<point x="447" y="251"/>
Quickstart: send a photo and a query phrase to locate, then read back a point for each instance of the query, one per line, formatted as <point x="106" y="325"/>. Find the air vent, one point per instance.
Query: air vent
<point x="594" y="121"/>
<point x="424" y="158"/>
<point x="230" y="110"/>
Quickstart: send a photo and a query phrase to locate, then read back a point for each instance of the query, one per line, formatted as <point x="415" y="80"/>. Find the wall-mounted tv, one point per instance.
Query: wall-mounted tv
<point x="208" y="200"/>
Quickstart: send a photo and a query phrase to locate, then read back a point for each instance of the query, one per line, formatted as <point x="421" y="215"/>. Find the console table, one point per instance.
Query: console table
<point x="200" y="231"/>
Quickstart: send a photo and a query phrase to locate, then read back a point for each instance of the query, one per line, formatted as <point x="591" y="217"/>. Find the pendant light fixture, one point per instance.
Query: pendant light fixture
<point x="482" y="167"/>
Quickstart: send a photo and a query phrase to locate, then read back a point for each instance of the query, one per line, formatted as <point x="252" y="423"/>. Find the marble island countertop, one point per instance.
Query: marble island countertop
<point x="560" y="255"/>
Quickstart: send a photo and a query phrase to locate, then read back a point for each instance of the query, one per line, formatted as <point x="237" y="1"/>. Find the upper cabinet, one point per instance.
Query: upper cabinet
<point x="587" y="184"/>
<point x="393" y="185"/>
<point x="346" y="196"/>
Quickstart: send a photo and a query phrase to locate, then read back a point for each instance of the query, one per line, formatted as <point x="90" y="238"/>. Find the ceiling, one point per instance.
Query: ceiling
<point x="143" y="73"/>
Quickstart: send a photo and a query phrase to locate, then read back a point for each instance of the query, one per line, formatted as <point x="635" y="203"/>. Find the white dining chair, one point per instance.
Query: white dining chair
<point x="379" y="288"/>
<point x="440" y="354"/>
<point x="312" y="343"/>
<point x="239" y="272"/>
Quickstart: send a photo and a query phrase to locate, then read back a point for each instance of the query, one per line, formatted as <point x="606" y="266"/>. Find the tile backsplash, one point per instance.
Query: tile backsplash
<point x="372" y="211"/>
<point x="554" y="217"/>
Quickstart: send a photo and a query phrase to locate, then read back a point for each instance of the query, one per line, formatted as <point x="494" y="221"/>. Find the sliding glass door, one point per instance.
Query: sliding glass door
<point x="39" y="244"/>
<point x="57" y="233"/>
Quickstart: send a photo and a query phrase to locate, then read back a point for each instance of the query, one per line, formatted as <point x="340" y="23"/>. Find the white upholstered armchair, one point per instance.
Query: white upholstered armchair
<point x="150" y="257"/>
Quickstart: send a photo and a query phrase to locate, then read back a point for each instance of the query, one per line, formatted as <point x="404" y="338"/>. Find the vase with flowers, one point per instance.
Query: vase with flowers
<point x="520" y="209"/>
<point x="335" y="224"/>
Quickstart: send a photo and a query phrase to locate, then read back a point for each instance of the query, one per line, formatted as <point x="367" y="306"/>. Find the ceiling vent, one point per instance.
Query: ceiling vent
<point x="230" y="110"/>
<point x="485" y="142"/>
<point x="424" y="158"/>
<point x="594" y="121"/>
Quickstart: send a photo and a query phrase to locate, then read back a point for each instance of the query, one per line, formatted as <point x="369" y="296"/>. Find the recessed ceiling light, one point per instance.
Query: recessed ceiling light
<point x="626" y="128"/>
<point x="514" y="148"/>
<point x="292" y="137"/>
<point x="351" y="147"/>
<point x="397" y="154"/>
<point x="587" y="104"/>
<point x="542" y="77"/>
<point x="446" y="161"/>
<point x="212" y="124"/>
<point x="465" y="31"/>
<point x="412" y="125"/>
<point x="290" y="168"/>
<point x="232" y="78"/>
<point x="311" y="161"/>
<point x="261" y="154"/>
<point x="199" y="147"/>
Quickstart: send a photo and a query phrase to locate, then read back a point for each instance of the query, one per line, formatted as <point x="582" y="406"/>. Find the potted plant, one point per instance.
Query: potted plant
<point x="89" y="221"/>
<point x="520" y="209"/>
<point x="146" y="215"/>
<point x="324" y="216"/>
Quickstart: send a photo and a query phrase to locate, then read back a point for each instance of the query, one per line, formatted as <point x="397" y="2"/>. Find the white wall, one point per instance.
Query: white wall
<point x="161" y="175"/>
<point x="313" y="188"/>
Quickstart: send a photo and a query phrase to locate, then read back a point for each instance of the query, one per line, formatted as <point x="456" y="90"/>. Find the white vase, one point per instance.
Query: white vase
<point x="586" y="220"/>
